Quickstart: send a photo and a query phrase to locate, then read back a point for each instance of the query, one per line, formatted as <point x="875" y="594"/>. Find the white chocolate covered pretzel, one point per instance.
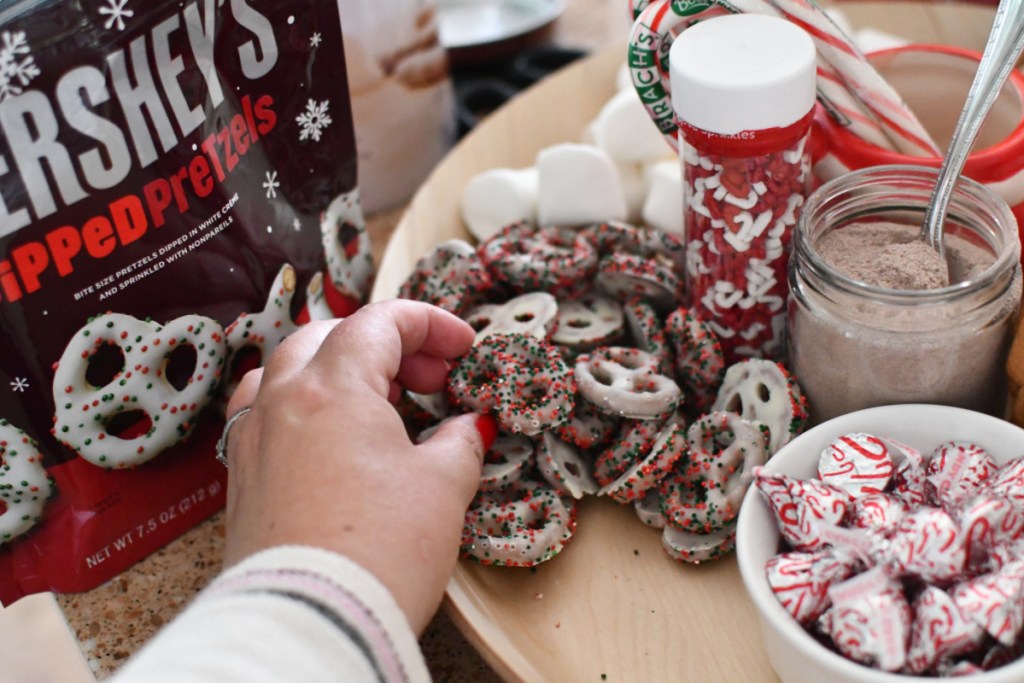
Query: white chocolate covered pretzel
<point x="519" y="526"/>
<point x="648" y="333"/>
<point x="560" y="261"/>
<point x="762" y="390"/>
<point x="347" y="246"/>
<point x="646" y="474"/>
<point x="533" y="313"/>
<point x="451" y="276"/>
<point x="625" y="382"/>
<point x="696" y="548"/>
<point x="130" y="415"/>
<point x="699" y="363"/>
<point x="562" y="466"/>
<point x="590" y="321"/>
<point x="522" y="379"/>
<point x="509" y="456"/>
<point x="626" y="276"/>
<point x="725" y="448"/>
<point x="261" y="332"/>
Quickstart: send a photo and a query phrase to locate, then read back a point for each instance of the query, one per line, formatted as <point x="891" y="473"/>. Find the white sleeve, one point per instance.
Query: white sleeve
<point x="286" y="614"/>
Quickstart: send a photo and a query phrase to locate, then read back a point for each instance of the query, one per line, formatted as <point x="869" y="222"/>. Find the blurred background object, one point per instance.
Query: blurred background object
<point x="402" y="98"/>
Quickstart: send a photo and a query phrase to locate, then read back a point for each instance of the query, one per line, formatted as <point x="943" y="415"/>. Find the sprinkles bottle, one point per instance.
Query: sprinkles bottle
<point x="743" y="93"/>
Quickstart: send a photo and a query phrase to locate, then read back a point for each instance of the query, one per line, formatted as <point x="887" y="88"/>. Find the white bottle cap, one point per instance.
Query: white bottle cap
<point x="742" y="72"/>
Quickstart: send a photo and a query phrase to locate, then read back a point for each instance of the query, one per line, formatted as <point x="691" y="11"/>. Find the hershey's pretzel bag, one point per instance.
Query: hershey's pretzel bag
<point x="177" y="194"/>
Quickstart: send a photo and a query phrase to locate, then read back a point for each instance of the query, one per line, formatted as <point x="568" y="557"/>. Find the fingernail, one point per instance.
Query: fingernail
<point x="487" y="426"/>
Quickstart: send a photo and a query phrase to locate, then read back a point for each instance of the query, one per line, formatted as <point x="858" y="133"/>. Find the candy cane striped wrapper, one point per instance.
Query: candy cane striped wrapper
<point x="647" y="55"/>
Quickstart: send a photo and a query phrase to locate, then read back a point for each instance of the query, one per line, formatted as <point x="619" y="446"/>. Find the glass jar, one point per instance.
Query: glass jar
<point x="853" y="345"/>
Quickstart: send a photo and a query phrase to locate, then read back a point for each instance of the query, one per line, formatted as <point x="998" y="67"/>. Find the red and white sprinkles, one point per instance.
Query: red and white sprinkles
<point x="916" y="580"/>
<point x="582" y="352"/>
<point x="136" y="409"/>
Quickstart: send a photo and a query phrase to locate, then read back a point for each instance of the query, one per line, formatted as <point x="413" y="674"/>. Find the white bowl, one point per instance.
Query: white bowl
<point x="794" y="654"/>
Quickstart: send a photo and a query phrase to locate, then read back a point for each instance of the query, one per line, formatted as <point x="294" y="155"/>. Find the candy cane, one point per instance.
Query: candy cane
<point x="833" y="93"/>
<point x="848" y="86"/>
<point x="884" y="104"/>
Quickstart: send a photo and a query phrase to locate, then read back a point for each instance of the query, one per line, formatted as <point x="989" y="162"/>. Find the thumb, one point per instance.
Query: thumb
<point x="459" y="445"/>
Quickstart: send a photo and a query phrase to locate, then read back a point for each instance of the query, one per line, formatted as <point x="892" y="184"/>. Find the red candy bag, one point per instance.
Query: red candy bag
<point x="177" y="194"/>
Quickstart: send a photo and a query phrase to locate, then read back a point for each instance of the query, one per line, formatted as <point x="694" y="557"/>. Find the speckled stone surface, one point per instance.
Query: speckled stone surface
<point x="113" y="621"/>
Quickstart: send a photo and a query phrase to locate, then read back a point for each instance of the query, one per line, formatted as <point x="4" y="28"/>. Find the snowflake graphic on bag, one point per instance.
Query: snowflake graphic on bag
<point x="117" y="12"/>
<point x="17" y="67"/>
<point x="314" y="120"/>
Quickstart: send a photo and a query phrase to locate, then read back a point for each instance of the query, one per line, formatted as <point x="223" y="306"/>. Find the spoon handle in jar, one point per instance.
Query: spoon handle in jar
<point x="1004" y="47"/>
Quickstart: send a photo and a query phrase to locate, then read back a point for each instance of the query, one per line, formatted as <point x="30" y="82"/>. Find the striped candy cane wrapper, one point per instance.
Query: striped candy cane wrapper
<point x="657" y="22"/>
<point x="848" y="86"/>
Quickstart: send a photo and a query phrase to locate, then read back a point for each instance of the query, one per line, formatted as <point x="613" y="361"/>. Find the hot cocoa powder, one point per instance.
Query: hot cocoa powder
<point x="851" y="351"/>
<point x="894" y="256"/>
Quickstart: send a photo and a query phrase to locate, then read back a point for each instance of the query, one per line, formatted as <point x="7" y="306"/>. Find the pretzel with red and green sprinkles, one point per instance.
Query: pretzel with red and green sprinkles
<point x="524" y="381"/>
<point x="451" y="276"/>
<point x="587" y="427"/>
<point x="625" y="382"/>
<point x="706" y="491"/>
<point x="763" y="391"/>
<point x="648" y="509"/>
<point x="669" y="447"/>
<point x="699" y="363"/>
<point x="25" y="485"/>
<point x="648" y="333"/>
<point x="518" y="526"/>
<point x="686" y="546"/>
<point x="725" y="447"/>
<point x="627" y="276"/>
<point x="135" y="410"/>
<point x="632" y="445"/>
<point x="617" y="237"/>
<point x="557" y="260"/>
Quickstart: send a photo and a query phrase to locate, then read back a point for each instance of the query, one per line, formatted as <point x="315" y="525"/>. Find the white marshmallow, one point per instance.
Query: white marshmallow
<point x="588" y="136"/>
<point x="624" y="129"/>
<point x="634" y="187"/>
<point x="498" y="197"/>
<point x="578" y="184"/>
<point x="663" y="208"/>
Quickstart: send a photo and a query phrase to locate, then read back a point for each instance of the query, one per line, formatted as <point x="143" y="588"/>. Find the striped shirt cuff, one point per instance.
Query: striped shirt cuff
<point x="348" y="597"/>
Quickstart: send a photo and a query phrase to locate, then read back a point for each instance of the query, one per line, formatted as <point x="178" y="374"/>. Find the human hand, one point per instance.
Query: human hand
<point x="323" y="457"/>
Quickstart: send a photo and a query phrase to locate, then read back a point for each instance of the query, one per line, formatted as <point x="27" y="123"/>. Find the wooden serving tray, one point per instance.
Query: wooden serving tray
<point x="612" y="606"/>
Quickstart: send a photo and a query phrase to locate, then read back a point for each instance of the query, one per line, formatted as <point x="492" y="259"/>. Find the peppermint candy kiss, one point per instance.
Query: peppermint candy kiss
<point x="861" y="464"/>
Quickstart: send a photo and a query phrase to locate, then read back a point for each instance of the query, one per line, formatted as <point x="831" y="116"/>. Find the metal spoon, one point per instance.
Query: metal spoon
<point x="1003" y="49"/>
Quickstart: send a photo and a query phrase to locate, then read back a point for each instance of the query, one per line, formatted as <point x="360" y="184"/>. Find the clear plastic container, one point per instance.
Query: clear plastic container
<point x="853" y="345"/>
<point x="743" y="90"/>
